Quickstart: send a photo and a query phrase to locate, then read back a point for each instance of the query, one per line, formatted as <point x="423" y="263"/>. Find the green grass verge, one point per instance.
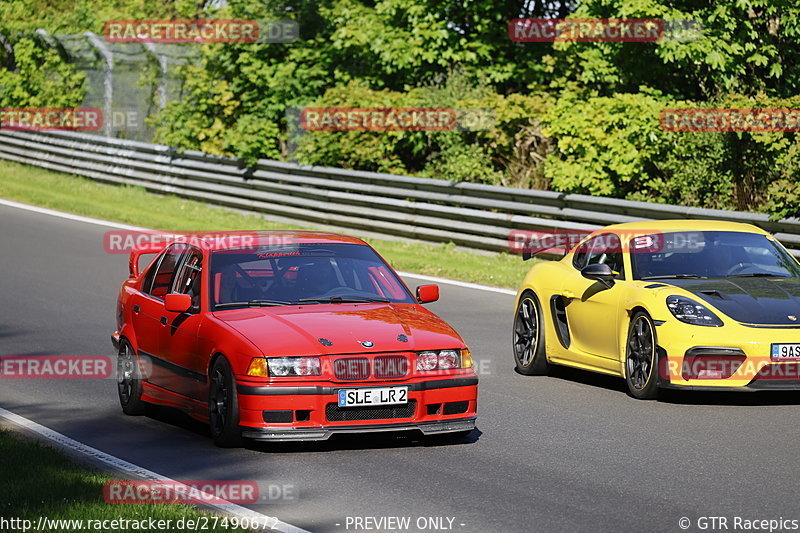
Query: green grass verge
<point x="134" y="205"/>
<point x="41" y="481"/>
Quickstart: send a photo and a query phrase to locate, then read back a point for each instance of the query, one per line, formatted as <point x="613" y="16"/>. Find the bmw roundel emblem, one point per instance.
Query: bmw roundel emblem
<point x="367" y="344"/>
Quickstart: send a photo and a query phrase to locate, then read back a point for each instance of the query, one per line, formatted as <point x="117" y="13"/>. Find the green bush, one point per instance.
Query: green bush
<point x="603" y="145"/>
<point x="40" y="77"/>
<point x="572" y="117"/>
<point x="486" y="151"/>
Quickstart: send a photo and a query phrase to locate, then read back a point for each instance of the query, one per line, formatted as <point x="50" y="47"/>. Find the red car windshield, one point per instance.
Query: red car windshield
<point x="302" y="273"/>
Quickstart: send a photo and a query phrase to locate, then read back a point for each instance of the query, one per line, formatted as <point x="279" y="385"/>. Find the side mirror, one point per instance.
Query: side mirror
<point x="177" y="303"/>
<point x="427" y="293"/>
<point x="526" y="254"/>
<point x="599" y="272"/>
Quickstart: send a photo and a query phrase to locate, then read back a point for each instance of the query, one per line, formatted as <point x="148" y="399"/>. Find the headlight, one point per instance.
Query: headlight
<point x="294" y="366"/>
<point x="449" y="359"/>
<point x="427" y="361"/>
<point x="443" y="360"/>
<point x="691" y="312"/>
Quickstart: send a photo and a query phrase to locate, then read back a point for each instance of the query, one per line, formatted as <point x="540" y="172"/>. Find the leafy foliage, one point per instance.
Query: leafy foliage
<point x="39" y="77"/>
<point x="573" y="117"/>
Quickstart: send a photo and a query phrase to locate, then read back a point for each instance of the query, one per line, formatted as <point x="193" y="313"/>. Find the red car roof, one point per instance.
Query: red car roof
<point x="274" y="237"/>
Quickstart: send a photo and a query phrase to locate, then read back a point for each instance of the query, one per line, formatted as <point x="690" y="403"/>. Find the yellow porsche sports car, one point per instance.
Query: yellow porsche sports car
<point x="690" y="304"/>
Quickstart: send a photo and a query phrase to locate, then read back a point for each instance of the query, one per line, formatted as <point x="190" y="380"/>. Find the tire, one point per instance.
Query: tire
<point x="528" y="337"/>
<point x="129" y="381"/>
<point x="223" y="406"/>
<point x="640" y="358"/>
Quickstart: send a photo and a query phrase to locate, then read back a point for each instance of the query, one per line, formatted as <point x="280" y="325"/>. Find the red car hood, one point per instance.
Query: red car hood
<point x="307" y="330"/>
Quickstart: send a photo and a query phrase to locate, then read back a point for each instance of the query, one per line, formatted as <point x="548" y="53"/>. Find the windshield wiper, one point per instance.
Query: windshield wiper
<point x="758" y="275"/>
<point x="343" y="299"/>
<point x="676" y="276"/>
<point x="252" y="303"/>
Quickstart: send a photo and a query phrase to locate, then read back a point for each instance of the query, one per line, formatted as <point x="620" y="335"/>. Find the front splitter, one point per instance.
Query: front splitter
<point x="284" y="434"/>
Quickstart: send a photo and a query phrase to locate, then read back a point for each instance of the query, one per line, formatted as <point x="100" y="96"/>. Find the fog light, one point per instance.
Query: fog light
<point x="710" y="366"/>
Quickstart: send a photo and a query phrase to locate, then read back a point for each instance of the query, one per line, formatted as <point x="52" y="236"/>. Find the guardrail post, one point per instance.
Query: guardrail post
<point x="108" y="85"/>
<point x="163" y="63"/>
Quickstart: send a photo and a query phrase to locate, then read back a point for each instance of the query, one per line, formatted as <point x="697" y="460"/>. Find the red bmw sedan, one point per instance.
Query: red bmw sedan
<point x="294" y="337"/>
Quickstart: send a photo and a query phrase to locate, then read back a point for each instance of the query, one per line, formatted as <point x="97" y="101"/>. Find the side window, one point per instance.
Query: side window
<point x="579" y="259"/>
<point x="147" y="284"/>
<point x="163" y="275"/>
<point x="606" y="249"/>
<point x="188" y="279"/>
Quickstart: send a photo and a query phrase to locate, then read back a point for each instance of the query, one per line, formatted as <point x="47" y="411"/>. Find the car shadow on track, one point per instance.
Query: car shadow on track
<point x="177" y="418"/>
<point x="366" y="441"/>
<point x="743" y="398"/>
<point x="584" y="377"/>
<point x="679" y="397"/>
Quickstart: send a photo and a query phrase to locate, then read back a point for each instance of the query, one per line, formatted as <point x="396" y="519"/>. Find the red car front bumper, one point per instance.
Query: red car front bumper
<point x="309" y="411"/>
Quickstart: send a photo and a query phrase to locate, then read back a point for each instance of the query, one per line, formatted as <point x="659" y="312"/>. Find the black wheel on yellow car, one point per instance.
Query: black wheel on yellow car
<point x="529" y="337"/>
<point x="640" y="358"/>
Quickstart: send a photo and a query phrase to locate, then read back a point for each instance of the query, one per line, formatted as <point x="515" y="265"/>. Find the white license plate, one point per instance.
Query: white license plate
<point x="785" y="352"/>
<point x="381" y="396"/>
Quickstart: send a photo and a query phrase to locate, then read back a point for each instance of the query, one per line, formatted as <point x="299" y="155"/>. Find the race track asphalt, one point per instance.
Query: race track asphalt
<point x="570" y="452"/>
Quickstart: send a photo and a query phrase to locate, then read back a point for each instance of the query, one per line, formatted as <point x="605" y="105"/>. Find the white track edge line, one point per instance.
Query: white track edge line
<point x="69" y="216"/>
<point x="64" y="442"/>
<point x="465" y="284"/>
<point x="118" y="225"/>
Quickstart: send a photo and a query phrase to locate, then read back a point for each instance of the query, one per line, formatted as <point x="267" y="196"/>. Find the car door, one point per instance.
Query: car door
<point x="180" y="343"/>
<point x="592" y="308"/>
<point x="142" y="309"/>
<point x="151" y="323"/>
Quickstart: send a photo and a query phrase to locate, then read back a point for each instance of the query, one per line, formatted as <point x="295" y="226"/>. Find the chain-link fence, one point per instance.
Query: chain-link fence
<point x="128" y="82"/>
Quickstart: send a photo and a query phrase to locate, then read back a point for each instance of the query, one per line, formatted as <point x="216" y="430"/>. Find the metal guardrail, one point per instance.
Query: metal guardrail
<point x="468" y="214"/>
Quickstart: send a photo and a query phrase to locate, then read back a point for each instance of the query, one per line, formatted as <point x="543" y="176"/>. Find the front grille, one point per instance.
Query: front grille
<point x="390" y="366"/>
<point x="351" y="368"/>
<point x="334" y="413"/>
